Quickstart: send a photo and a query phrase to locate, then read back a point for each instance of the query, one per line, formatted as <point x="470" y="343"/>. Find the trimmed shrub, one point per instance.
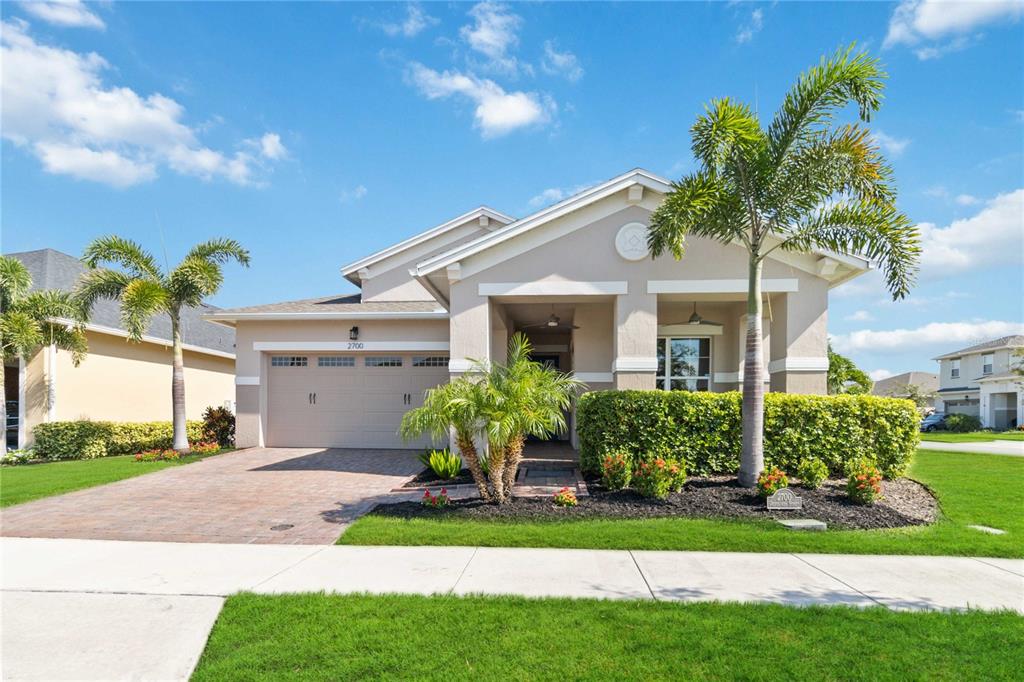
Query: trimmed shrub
<point x="616" y="471"/>
<point x="771" y="481"/>
<point x="654" y="478"/>
<point x="864" y="481"/>
<point x="812" y="473"/>
<point x="962" y="423"/>
<point x="705" y="429"/>
<point x="219" y="426"/>
<point x="87" y="439"/>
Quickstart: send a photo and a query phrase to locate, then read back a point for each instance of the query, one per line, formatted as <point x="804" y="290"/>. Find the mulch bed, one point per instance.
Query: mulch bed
<point x="427" y="477"/>
<point x="904" y="503"/>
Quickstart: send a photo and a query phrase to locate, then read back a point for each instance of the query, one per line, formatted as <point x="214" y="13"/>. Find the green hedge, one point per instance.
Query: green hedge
<point x="89" y="439"/>
<point x="705" y="429"/>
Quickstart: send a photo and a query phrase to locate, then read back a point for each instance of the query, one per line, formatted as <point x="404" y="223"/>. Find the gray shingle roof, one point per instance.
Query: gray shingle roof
<point x="1013" y="341"/>
<point x="340" y="303"/>
<point x="926" y="381"/>
<point x="52" y="269"/>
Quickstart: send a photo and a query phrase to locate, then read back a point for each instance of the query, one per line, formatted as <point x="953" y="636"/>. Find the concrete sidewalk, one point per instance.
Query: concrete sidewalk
<point x="1014" y="448"/>
<point x="80" y="591"/>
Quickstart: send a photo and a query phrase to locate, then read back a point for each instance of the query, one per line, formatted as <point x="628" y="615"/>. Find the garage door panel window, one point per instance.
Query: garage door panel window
<point x="336" y="361"/>
<point x="383" y="361"/>
<point x="289" y="361"/>
<point x="430" y="361"/>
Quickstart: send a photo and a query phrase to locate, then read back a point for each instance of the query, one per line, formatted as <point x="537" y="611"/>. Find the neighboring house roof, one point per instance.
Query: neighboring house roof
<point x="1012" y="341"/>
<point x="351" y="270"/>
<point x="51" y="269"/>
<point x="1005" y="376"/>
<point x="341" y="306"/>
<point x="896" y="385"/>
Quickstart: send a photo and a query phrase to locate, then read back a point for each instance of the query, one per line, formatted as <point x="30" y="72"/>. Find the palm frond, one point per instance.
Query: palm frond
<point x="141" y="299"/>
<point x="699" y="204"/>
<point x="221" y="251"/>
<point x="725" y="129"/>
<point x="100" y="283"/>
<point x="123" y="252"/>
<point x="194" y="279"/>
<point x="20" y="334"/>
<point x="15" y="281"/>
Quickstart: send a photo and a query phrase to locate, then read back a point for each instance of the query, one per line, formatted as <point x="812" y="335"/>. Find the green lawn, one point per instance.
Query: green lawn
<point x="31" y="481"/>
<point x="972" y="489"/>
<point x="321" y="637"/>
<point x="971" y="437"/>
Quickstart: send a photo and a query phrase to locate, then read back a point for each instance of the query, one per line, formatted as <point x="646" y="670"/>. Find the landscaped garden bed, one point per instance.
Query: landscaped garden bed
<point x="904" y="503"/>
<point x="427" y="477"/>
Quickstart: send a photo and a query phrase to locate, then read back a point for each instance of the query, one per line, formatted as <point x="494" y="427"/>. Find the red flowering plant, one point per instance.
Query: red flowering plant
<point x="863" y="481"/>
<point x="565" y="498"/>
<point x="439" y="500"/>
<point x="157" y="455"/>
<point x="771" y="481"/>
<point x="654" y="478"/>
<point x="615" y="471"/>
<point x="207" y="448"/>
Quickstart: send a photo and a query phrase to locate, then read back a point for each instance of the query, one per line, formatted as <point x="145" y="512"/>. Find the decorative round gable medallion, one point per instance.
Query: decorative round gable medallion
<point x="631" y="241"/>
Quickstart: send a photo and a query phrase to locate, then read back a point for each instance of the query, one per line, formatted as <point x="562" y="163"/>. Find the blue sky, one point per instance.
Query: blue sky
<point x="317" y="133"/>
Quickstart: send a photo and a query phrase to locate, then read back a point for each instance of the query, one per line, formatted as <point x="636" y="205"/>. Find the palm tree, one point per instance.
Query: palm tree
<point x="801" y="184"/>
<point x="844" y="376"/>
<point x="144" y="290"/>
<point x="29" y="321"/>
<point x="500" y="404"/>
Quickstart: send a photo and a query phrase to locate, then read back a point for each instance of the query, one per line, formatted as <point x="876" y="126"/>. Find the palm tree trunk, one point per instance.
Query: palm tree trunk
<point x="496" y="472"/>
<point x="752" y="457"/>
<point x="513" y="456"/>
<point x="468" y="449"/>
<point x="178" y="387"/>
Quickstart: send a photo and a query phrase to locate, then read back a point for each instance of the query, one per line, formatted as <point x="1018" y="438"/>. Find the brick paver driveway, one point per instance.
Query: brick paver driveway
<point x="308" y="494"/>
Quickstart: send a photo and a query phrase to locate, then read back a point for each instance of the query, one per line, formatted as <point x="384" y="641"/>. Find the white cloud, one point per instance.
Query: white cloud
<point x="879" y="374"/>
<point x="71" y="13"/>
<point x="966" y="199"/>
<point x="993" y="236"/>
<point x="56" y="106"/>
<point x="497" y="112"/>
<point x="893" y="146"/>
<point x="935" y="334"/>
<point x="746" y="31"/>
<point x="271" y="147"/>
<point x="416" y="20"/>
<point x="557" y="63"/>
<point x="553" y="195"/>
<point x="860" y="316"/>
<point x="917" y="21"/>
<point x="494" y="33"/>
<point x="355" y="194"/>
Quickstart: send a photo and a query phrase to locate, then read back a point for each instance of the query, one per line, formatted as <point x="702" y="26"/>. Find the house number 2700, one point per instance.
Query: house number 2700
<point x="355" y="345"/>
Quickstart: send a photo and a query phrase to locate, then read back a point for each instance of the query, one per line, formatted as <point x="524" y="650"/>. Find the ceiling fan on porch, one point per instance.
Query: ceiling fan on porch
<point x="696" y="318"/>
<point x="553" y="322"/>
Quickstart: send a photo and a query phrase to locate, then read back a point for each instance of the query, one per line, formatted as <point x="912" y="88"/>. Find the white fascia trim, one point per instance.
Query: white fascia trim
<point x="798" y="364"/>
<point x="635" y="364"/>
<point x="354" y="346"/>
<point x="719" y="286"/>
<point x="475" y="214"/>
<point x="573" y="203"/>
<point x="247" y="381"/>
<point x="553" y="288"/>
<point x="113" y="331"/>
<point x="595" y="377"/>
<point x="257" y="317"/>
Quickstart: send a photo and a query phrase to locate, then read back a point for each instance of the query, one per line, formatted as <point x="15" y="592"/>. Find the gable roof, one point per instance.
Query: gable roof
<point x="339" y="307"/>
<point x="926" y="381"/>
<point x="51" y="269"/>
<point x="637" y="176"/>
<point x="351" y="270"/>
<point x="1012" y="341"/>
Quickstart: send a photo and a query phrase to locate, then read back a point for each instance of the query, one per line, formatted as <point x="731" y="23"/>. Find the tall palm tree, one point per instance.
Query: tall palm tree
<point x="499" y="404"/>
<point x="144" y="290"/>
<point x="30" y="320"/>
<point x="803" y="183"/>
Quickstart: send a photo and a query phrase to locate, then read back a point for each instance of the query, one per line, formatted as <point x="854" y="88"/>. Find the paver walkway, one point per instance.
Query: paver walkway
<point x="1014" y="448"/>
<point x="308" y="494"/>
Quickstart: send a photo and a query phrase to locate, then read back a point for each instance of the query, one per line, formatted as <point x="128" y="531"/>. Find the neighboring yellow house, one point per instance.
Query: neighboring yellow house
<point x="119" y="380"/>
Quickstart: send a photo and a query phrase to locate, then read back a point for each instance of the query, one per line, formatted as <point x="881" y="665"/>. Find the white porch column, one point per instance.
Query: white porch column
<point x="636" y="340"/>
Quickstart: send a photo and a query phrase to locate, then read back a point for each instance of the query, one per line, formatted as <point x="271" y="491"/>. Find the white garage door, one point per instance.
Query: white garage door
<point x="347" y="400"/>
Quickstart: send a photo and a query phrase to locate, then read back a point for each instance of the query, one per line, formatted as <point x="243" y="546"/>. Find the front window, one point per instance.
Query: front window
<point x="986" y="363"/>
<point x="684" y="364"/>
<point x="954" y="369"/>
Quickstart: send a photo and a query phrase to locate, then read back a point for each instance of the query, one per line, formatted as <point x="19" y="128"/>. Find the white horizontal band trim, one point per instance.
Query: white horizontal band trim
<point x="354" y="346"/>
<point x="247" y="381"/>
<point x="114" y="331"/>
<point x="553" y="288"/>
<point x="798" y="364"/>
<point x="635" y="364"/>
<point x="718" y="286"/>
<point x="240" y="317"/>
<point x="595" y="377"/>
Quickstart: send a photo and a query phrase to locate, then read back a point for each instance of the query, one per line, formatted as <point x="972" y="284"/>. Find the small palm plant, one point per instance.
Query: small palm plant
<point x="799" y="185"/>
<point x="499" y="404"/>
<point x="31" y="320"/>
<point x="145" y="290"/>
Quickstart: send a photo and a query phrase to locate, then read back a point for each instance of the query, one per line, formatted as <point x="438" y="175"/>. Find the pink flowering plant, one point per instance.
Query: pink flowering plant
<point x="439" y="500"/>
<point x="565" y="498"/>
<point x="206" y="448"/>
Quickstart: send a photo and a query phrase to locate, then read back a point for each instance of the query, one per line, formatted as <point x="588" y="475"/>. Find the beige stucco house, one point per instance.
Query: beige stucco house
<point x="980" y="380"/>
<point x="119" y="380"/>
<point x="576" y="277"/>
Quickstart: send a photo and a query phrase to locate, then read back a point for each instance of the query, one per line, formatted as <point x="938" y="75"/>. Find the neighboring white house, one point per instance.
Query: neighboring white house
<point x="341" y="370"/>
<point x="980" y="380"/>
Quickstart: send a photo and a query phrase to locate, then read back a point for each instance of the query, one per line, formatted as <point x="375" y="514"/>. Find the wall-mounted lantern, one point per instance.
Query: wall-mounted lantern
<point x="353" y="333"/>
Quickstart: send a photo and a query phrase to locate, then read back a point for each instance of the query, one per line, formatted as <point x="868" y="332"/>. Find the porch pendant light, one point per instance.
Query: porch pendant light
<point x="695" y="318"/>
